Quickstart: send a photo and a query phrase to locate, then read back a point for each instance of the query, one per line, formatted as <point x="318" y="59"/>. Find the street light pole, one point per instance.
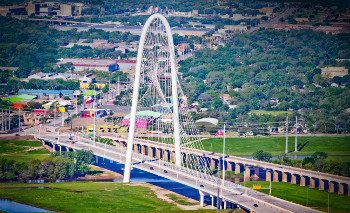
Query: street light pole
<point x="296" y="134"/>
<point x="287" y="135"/>
<point x="223" y="161"/>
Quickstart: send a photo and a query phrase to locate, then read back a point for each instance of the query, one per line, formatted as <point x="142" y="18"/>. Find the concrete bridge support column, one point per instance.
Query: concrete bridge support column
<point x="201" y="200"/>
<point x="150" y="152"/>
<point x="60" y="149"/>
<point x="331" y="186"/>
<point x="284" y="177"/>
<point x="340" y="188"/>
<point x="321" y="185"/>
<point x="166" y="155"/>
<point x="229" y="166"/>
<point x="348" y="190"/>
<point x="302" y="181"/>
<point x="312" y="183"/>
<point x="275" y="176"/>
<point x="247" y="173"/>
<point x="238" y="168"/>
<point x="268" y="175"/>
<point x="212" y="201"/>
<point x="143" y="150"/>
<point x="293" y="179"/>
<point x="225" y="204"/>
<point x="172" y="156"/>
<point x="158" y="153"/>
<point x="212" y="163"/>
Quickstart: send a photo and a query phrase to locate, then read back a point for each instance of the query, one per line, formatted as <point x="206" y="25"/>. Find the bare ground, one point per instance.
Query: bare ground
<point x="161" y="194"/>
<point x="105" y="175"/>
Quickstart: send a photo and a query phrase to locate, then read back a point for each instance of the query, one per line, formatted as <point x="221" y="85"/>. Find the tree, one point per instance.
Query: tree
<point x="262" y="156"/>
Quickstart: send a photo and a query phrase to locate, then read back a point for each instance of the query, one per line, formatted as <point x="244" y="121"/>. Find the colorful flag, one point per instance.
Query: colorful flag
<point x="90" y="99"/>
<point x="220" y="132"/>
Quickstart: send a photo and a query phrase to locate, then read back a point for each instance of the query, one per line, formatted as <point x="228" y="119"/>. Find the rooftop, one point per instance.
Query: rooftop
<point x="88" y="62"/>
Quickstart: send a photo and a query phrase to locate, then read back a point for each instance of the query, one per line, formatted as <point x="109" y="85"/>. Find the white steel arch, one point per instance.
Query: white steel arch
<point x="175" y="101"/>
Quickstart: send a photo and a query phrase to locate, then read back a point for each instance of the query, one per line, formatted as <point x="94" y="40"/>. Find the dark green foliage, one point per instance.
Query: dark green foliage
<point x="262" y="156"/>
<point x="73" y="164"/>
<point x="269" y="64"/>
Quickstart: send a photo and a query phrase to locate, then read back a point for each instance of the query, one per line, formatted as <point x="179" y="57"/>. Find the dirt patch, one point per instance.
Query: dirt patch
<point x="11" y="137"/>
<point x="161" y="194"/>
<point x="105" y="174"/>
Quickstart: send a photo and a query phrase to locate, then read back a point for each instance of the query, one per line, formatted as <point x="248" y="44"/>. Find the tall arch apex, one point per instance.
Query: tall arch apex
<point x="136" y="90"/>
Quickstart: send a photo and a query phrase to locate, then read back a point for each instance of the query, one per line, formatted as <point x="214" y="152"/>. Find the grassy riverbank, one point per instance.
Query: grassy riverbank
<point x="337" y="145"/>
<point x="22" y="150"/>
<point x="305" y="196"/>
<point x="86" y="197"/>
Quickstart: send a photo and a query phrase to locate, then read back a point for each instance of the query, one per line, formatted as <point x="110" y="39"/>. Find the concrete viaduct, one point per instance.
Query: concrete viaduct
<point x="259" y="169"/>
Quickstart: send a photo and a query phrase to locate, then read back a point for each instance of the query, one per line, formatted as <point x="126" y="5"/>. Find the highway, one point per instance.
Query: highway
<point x="250" y="199"/>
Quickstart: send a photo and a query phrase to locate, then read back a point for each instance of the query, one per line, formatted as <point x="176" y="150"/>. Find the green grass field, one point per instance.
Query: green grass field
<point x="307" y="197"/>
<point x="86" y="197"/>
<point x="336" y="146"/>
<point x="16" y="150"/>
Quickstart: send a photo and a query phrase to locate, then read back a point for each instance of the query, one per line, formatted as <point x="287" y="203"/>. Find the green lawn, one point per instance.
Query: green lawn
<point x="298" y="194"/>
<point x="87" y="197"/>
<point x="16" y="150"/>
<point x="339" y="146"/>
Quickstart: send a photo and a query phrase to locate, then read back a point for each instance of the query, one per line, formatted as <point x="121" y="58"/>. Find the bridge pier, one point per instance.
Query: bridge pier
<point x="276" y="176"/>
<point x="143" y="149"/>
<point x="60" y="149"/>
<point x="268" y="175"/>
<point x="166" y="155"/>
<point x="238" y="168"/>
<point x="158" y="153"/>
<point x="340" y="188"/>
<point x="302" y="180"/>
<point x="201" y="196"/>
<point x="212" y="163"/>
<point x="331" y="187"/>
<point x="321" y="184"/>
<point x="348" y="190"/>
<point x="229" y="166"/>
<point x="212" y="201"/>
<point x="150" y="152"/>
<point x="293" y="179"/>
<point x="172" y="156"/>
<point x="247" y="173"/>
<point x="285" y="177"/>
<point x="312" y="183"/>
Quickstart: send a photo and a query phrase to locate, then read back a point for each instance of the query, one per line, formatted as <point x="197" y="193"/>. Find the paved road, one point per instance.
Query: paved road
<point x="230" y="192"/>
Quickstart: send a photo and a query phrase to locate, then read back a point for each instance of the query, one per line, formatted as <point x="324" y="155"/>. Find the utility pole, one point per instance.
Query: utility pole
<point x="54" y="116"/>
<point x="94" y="104"/>
<point x="76" y="104"/>
<point x="62" y="119"/>
<point x="287" y="135"/>
<point x="2" y="119"/>
<point x="19" y="120"/>
<point x="9" y="118"/>
<point x="223" y="161"/>
<point x="118" y="86"/>
<point x="296" y="134"/>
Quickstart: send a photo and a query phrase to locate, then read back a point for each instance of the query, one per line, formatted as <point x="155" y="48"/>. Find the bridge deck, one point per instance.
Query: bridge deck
<point x="209" y="185"/>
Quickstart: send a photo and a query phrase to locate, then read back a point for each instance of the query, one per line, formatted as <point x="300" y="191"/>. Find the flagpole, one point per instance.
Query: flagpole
<point x="223" y="161"/>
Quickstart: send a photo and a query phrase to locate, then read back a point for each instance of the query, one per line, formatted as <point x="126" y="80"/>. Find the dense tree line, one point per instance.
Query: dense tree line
<point x="73" y="164"/>
<point x="34" y="46"/>
<point x="271" y="65"/>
